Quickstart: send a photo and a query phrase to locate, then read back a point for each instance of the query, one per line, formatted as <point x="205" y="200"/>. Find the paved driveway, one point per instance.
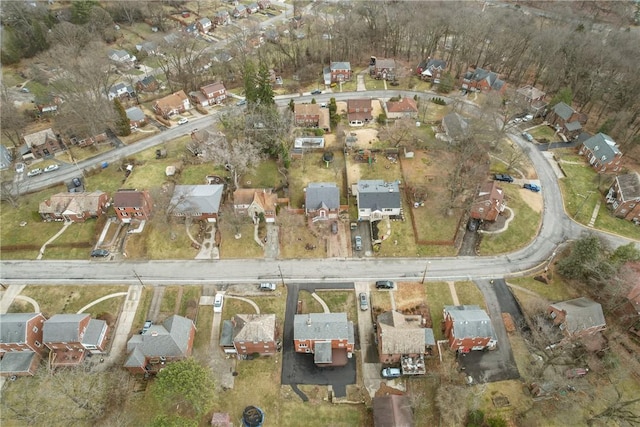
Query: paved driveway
<point x="298" y="368"/>
<point x="497" y="365"/>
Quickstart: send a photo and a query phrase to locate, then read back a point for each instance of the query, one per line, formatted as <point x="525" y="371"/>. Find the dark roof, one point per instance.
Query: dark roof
<point x="95" y="332"/>
<point x="171" y="339"/>
<point x="470" y="321"/>
<point x="15" y="362"/>
<point x="602" y="146"/>
<point x="135" y="114"/>
<point x="196" y="199"/>
<point x="63" y="328"/>
<point x="322" y="326"/>
<point x="340" y="66"/>
<point x="147" y="81"/>
<point x="322" y="195"/>
<point x="226" y="337"/>
<point x="629" y="186"/>
<point x="436" y="63"/>
<point x="392" y="411"/>
<point x="378" y="194"/>
<point x="361" y="104"/>
<point x="581" y="314"/>
<point x="573" y="126"/>
<point x="481" y="74"/>
<point x="13" y="327"/>
<point x="455" y="126"/>
<point x="322" y="352"/>
<point x="563" y="110"/>
<point x="128" y="199"/>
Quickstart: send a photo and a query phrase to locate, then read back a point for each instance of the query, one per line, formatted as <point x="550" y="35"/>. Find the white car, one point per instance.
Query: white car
<point x="183" y="121"/>
<point x="19" y="167"/>
<point x="217" y="303"/>
<point x="51" y="168"/>
<point x="34" y="172"/>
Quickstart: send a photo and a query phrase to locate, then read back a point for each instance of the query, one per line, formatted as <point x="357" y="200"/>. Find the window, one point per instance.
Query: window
<point x="35" y="329"/>
<point x="38" y="344"/>
<point x="302" y="345"/>
<point x="124" y="214"/>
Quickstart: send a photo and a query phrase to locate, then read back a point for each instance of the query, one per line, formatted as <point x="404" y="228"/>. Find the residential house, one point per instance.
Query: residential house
<point x="136" y="117"/>
<point x="152" y="350"/>
<point x="191" y="29"/>
<point x="222" y="57"/>
<point x="623" y="197"/>
<point x="239" y="11"/>
<point x="198" y="202"/>
<point x="307" y="115"/>
<point x="603" y="153"/>
<point x="404" y="339"/>
<point x="21" y="345"/>
<point x="70" y="337"/>
<point x="214" y="93"/>
<point x="44" y="143"/>
<point x="253" y="8"/>
<point x="328" y="336"/>
<point x="432" y="70"/>
<point x="249" y="334"/>
<point x="489" y="202"/>
<point x="255" y="202"/>
<point x="132" y="204"/>
<point x="359" y="111"/>
<point x="468" y="327"/>
<point x="384" y="69"/>
<point x="86" y="141"/>
<point x="392" y="410"/>
<point x="264" y="4"/>
<point x="481" y="80"/>
<point x="566" y="120"/>
<point x="404" y="108"/>
<point x="455" y="127"/>
<point x="337" y="72"/>
<point x="533" y="98"/>
<point x="577" y="317"/>
<point x="171" y="105"/>
<point x="74" y="207"/>
<point x="204" y="25"/>
<point x="222" y="18"/>
<point x="378" y="199"/>
<point x="150" y="48"/>
<point x="322" y="200"/>
<point x="121" y="56"/>
<point x="147" y="84"/>
<point x="48" y="104"/>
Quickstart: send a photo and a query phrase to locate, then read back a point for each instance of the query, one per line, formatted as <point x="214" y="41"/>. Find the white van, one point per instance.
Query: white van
<point x="217" y="303"/>
<point x="356" y="123"/>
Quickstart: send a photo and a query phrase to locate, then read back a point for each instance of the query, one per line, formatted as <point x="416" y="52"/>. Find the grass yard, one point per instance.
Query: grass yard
<point x="521" y="231"/>
<point x="295" y="235"/>
<point x="373" y="84"/>
<point x="580" y="191"/>
<point x="380" y="169"/>
<point x="245" y="247"/>
<point x="423" y="391"/>
<point x="309" y="304"/>
<point x="169" y="302"/>
<point x="161" y="239"/>
<point x="234" y="306"/>
<point x="469" y="294"/>
<point x="311" y="168"/>
<point x="544" y="132"/>
<point x="409" y="295"/>
<point x="555" y="291"/>
<point x="70" y="299"/>
<point x="380" y="301"/>
<point x="265" y="175"/>
<point x="438" y="296"/>
<point x="190" y="299"/>
<point x="273" y="304"/>
<point x="202" y="340"/>
<point x="143" y="308"/>
<point x="340" y="302"/>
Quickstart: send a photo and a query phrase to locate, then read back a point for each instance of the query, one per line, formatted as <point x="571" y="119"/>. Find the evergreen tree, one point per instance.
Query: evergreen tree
<point x="564" y="95"/>
<point x="250" y="91"/>
<point x="123" y="125"/>
<point x="80" y="10"/>
<point x="292" y="105"/>
<point x="265" y="91"/>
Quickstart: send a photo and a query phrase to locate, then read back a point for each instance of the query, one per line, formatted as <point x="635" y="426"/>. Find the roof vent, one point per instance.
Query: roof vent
<point x="596" y="148"/>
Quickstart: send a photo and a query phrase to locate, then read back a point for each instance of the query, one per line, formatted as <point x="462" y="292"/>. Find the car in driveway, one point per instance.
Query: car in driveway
<point x="316" y="92"/>
<point x="533" y="187"/>
<point x="503" y="177"/>
<point x="217" y="303"/>
<point x="384" y="284"/>
<point x="241" y="102"/>
<point x="390" y="373"/>
<point x="183" y="121"/>
<point x="51" y="168"/>
<point x="473" y="224"/>
<point x="267" y="286"/>
<point x="334" y="227"/>
<point x="358" y="243"/>
<point x="527" y="136"/>
<point x="364" y="303"/>
<point x="99" y="253"/>
<point x="20" y="167"/>
<point x="34" y="172"/>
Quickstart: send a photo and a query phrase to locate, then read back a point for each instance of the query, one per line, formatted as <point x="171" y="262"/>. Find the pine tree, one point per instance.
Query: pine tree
<point x="265" y="91"/>
<point x="123" y="125"/>
<point x="250" y="91"/>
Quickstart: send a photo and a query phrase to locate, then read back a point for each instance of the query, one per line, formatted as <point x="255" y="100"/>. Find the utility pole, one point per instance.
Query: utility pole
<point x="424" y="276"/>
<point x="281" y="276"/>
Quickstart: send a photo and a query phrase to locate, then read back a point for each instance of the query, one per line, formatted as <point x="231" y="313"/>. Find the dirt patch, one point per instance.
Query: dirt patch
<point x="534" y="200"/>
<point x="385" y="390"/>
<point x="409" y="295"/>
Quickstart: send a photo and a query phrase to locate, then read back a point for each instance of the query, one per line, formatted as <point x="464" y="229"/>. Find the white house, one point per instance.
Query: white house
<point x="378" y="199"/>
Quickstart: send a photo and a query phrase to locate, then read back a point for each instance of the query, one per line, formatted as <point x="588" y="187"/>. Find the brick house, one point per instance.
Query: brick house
<point x="256" y="201"/>
<point x="159" y="345"/>
<point x="21" y="346"/>
<point x="74" y="207"/>
<point x="249" y="334"/>
<point x="404" y="108"/>
<point x="264" y="4"/>
<point x="214" y="93"/>
<point x="359" y="111"/>
<point x="623" y="197"/>
<point x="533" y="98"/>
<point x="489" y="202"/>
<point x="196" y="201"/>
<point x="384" y="69"/>
<point x="253" y="8"/>
<point x="43" y="143"/>
<point x="322" y="200"/>
<point x="328" y="336"/>
<point x="602" y="152"/>
<point x="222" y="18"/>
<point x="147" y="84"/>
<point x="136" y="117"/>
<point x="204" y="25"/>
<point x="132" y="204"/>
<point x="431" y="70"/>
<point x="87" y="140"/>
<point x="566" y="120"/>
<point x="377" y="199"/>
<point x="70" y="337"/>
<point x="307" y="115"/>
<point x="481" y="80"/>
<point x="239" y="11"/>
<point x="468" y="327"/>
<point x="171" y="105"/>
<point x="404" y="339"/>
<point x="577" y="317"/>
<point x="338" y="72"/>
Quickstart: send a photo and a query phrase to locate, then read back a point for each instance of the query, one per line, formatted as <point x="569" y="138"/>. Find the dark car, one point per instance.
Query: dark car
<point x="99" y="253"/>
<point x="334" y="227"/>
<point x="316" y="92"/>
<point x="147" y="326"/>
<point x="384" y="284"/>
<point x="503" y="177"/>
<point x="76" y="182"/>
<point x="533" y="187"/>
<point x="241" y="102"/>
<point x="473" y="224"/>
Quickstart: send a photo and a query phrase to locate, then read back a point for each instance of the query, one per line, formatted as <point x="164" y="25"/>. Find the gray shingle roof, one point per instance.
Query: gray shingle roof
<point x="322" y="194"/>
<point x="135" y="114"/>
<point x="254" y="327"/>
<point x="196" y="199"/>
<point x="63" y="328"/>
<point x="629" y="185"/>
<point x="401" y="334"/>
<point x="436" y="63"/>
<point x="94" y="333"/>
<point x="13" y="327"/>
<point x="581" y="314"/>
<point x="226" y="337"/>
<point x="470" y="321"/>
<point x="340" y="66"/>
<point x="603" y="147"/>
<point x="322" y="353"/>
<point x="378" y="194"/>
<point x="563" y="110"/>
<point x="573" y="126"/>
<point x="455" y="126"/>
<point x="15" y="362"/>
<point x="322" y="326"/>
<point x="171" y="339"/>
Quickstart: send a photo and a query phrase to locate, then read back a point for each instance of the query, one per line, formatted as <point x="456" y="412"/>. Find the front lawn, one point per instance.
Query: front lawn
<point x="544" y="132"/>
<point x="311" y="168"/>
<point x="438" y="295"/>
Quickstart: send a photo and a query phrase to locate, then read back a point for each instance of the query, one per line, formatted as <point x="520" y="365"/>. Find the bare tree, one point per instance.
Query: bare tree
<point x="625" y="411"/>
<point x="400" y="132"/>
<point x="13" y="121"/>
<point x="182" y="62"/>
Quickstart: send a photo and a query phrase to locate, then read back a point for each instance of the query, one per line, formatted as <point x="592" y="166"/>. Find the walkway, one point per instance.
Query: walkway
<point x="272" y="246"/>
<point x="34" y="303"/>
<point x="99" y="300"/>
<point x="64" y="227"/>
<point x="221" y="365"/>
<point x="248" y="301"/>
<point x="156" y="301"/>
<point x="454" y="294"/>
<point x="360" y="86"/>
<point x="506" y="223"/>
<point x="324" y="305"/>
<point x="9" y="293"/>
<point x="594" y="215"/>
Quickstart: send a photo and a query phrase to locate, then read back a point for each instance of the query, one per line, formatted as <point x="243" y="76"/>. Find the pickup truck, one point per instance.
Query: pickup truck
<point x="503" y="178"/>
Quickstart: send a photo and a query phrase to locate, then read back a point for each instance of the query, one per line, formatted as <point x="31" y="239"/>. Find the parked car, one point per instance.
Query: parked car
<point x="533" y="187"/>
<point x="147" y="326"/>
<point x="52" y="168"/>
<point x="24" y="90"/>
<point x="527" y="118"/>
<point x="334" y="227"/>
<point x="241" y="102"/>
<point x="217" y="303"/>
<point x="183" y="121"/>
<point x="503" y="177"/>
<point x="34" y="172"/>
<point x="20" y="167"/>
<point x="77" y="182"/>
<point x="267" y="286"/>
<point x="364" y="304"/>
<point x="527" y="136"/>
<point x="99" y="253"/>
<point x="390" y="373"/>
<point x="316" y="92"/>
<point x="384" y="284"/>
<point x="473" y="224"/>
<point x="358" y="244"/>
